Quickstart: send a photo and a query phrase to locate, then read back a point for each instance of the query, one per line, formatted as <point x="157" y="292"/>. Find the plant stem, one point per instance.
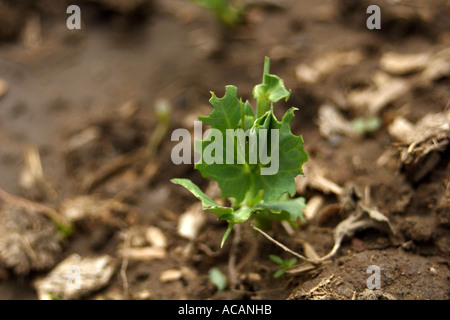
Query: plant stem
<point x="266" y="69"/>
<point x="262" y="105"/>
<point x="286" y="248"/>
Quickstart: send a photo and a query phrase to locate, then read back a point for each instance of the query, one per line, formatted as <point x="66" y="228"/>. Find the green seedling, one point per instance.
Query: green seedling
<point x="226" y="11"/>
<point x="243" y="179"/>
<point x="66" y="229"/>
<point x="284" y="264"/>
<point x="163" y="116"/>
<point x="53" y="296"/>
<point x="218" y="278"/>
<point x="363" y="125"/>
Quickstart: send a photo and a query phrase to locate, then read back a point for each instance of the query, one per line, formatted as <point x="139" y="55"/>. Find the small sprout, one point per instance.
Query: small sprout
<point x="225" y="11"/>
<point x="363" y="125"/>
<point x="218" y="278"/>
<point x="162" y="110"/>
<point x="65" y="229"/>
<point x="53" y="296"/>
<point x="284" y="264"/>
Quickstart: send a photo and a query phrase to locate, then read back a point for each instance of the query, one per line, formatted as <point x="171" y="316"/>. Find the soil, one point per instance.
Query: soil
<point x="106" y="80"/>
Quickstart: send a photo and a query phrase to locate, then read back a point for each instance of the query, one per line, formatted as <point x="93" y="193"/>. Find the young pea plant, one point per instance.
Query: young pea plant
<point x="284" y="264"/>
<point x="254" y="189"/>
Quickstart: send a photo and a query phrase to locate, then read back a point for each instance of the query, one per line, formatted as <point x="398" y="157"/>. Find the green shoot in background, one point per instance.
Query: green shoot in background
<point x="251" y="193"/>
<point x="218" y="278"/>
<point x="284" y="264"/>
<point x="227" y="12"/>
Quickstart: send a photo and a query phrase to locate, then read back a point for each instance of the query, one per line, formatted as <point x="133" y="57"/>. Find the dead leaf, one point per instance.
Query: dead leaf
<point x="303" y="267"/>
<point x="84" y="208"/>
<point x="438" y="66"/>
<point x="421" y="144"/>
<point x="143" y="253"/>
<point x="76" y="277"/>
<point x="362" y="218"/>
<point x="309" y="251"/>
<point x="371" y="101"/>
<point x="315" y="178"/>
<point x="313" y="207"/>
<point x="170" y="275"/>
<point x="326" y="64"/>
<point x="191" y="222"/>
<point x="404" y="63"/>
<point x="331" y="123"/>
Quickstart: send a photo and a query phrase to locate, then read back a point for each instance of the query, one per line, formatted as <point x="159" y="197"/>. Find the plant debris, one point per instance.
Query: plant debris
<point x="401" y="64"/>
<point x="28" y="240"/>
<point x="361" y="217"/>
<point x="385" y="89"/>
<point x="76" y="277"/>
<point x="420" y="145"/>
<point x="326" y="64"/>
<point x="92" y="208"/>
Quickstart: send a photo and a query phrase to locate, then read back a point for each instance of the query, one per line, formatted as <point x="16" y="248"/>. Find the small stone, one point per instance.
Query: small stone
<point x="156" y="237"/>
<point x="191" y="222"/>
<point x="170" y="275"/>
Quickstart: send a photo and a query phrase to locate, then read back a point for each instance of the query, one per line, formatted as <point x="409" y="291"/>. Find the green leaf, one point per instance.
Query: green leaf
<point x="247" y="116"/>
<point x="227" y="111"/>
<point x="238" y="216"/>
<point x="240" y="181"/>
<point x="227" y="233"/>
<point x="246" y="109"/>
<point x="291" y="262"/>
<point x="272" y="89"/>
<point x="278" y="273"/>
<point x="291" y="158"/>
<point x="293" y="207"/>
<point x="218" y="278"/>
<point x="363" y="125"/>
<point x="226" y="12"/>
<point x="276" y="259"/>
<point x="207" y="203"/>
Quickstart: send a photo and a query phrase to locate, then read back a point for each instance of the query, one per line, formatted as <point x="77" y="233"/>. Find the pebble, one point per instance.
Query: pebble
<point x="156" y="237"/>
